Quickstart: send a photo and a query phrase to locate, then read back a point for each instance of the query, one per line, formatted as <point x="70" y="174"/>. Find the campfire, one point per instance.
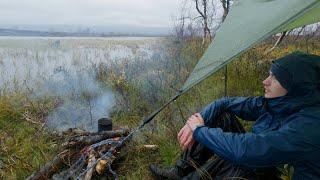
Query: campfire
<point x="84" y="155"/>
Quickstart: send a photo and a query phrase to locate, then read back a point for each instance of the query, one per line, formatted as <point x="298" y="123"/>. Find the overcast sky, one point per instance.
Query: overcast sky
<point x="151" y="13"/>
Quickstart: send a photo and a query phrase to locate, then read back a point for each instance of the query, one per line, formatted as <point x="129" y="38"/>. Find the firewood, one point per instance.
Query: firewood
<point x="50" y="168"/>
<point x="75" y="168"/>
<point x="150" y="146"/>
<point x="80" y="141"/>
<point x="101" y="166"/>
<point x="83" y="149"/>
<point x="118" y="132"/>
<point x="74" y="132"/>
<point x="80" y="132"/>
<point x="91" y="162"/>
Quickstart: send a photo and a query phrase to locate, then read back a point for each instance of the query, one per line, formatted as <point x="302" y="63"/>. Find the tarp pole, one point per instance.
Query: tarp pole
<point x="225" y="80"/>
<point x="150" y="117"/>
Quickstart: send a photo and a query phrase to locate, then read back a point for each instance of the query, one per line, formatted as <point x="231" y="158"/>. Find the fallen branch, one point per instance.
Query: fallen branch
<point x="50" y="168"/>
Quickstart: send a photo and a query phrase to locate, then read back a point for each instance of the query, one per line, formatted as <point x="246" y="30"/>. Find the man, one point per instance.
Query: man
<point x="286" y="129"/>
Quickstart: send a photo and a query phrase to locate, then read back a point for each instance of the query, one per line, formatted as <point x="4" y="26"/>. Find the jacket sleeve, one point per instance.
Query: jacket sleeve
<point x="289" y="144"/>
<point x="248" y="108"/>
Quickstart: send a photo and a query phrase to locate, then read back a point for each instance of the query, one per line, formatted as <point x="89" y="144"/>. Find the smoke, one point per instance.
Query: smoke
<point x="84" y="100"/>
<point x="66" y="69"/>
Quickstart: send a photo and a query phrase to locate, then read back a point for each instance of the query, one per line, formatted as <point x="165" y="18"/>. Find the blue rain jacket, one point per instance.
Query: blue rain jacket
<point x="286" y="129"/>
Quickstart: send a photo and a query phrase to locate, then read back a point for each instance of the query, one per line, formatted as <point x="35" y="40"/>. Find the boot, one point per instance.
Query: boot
<point x="173" y="172"/>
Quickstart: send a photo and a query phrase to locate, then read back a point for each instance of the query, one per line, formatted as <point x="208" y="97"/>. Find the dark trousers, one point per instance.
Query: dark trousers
<point x="200" y="163"/>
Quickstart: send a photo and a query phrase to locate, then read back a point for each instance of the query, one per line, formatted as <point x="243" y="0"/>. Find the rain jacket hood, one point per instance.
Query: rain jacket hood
<point x="299" y="74"/>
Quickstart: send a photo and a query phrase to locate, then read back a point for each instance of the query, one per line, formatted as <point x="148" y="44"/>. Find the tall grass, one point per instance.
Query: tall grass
<point x="24" y="145"/>
<point x="244" y="78"/>
<point x="140" y="88"/>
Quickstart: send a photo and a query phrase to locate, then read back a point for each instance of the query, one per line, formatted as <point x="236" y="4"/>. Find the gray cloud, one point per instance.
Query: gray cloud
<point x="154" y="13"/>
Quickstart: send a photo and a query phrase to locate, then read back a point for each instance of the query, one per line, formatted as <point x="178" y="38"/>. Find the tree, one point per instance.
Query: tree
<point x="205" y="18"/>
<point x="226" y="7"/>
<point x="202" y="15"/>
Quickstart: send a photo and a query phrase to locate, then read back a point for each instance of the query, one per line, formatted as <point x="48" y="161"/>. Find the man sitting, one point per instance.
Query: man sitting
<point x="286" y="129"/>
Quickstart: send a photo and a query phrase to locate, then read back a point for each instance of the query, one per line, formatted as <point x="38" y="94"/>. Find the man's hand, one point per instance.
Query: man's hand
<point x="195" y="120"/>
<point x="185" y="137"/>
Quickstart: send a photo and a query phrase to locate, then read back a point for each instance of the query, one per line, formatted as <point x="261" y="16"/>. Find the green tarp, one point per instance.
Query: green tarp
<point x="250" y="22"/>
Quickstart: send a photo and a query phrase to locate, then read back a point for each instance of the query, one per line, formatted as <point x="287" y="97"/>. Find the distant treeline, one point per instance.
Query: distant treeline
<point x="14" y="32"/>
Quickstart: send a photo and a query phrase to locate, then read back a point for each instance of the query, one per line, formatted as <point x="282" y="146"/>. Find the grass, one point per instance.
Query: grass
<point x="245" y="76"/>
<point x="24" y="146"/>
<point x="140" y="88"/>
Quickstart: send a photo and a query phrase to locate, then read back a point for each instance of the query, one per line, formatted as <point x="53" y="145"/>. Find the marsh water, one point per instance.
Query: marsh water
<point x="66" y="68"/>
